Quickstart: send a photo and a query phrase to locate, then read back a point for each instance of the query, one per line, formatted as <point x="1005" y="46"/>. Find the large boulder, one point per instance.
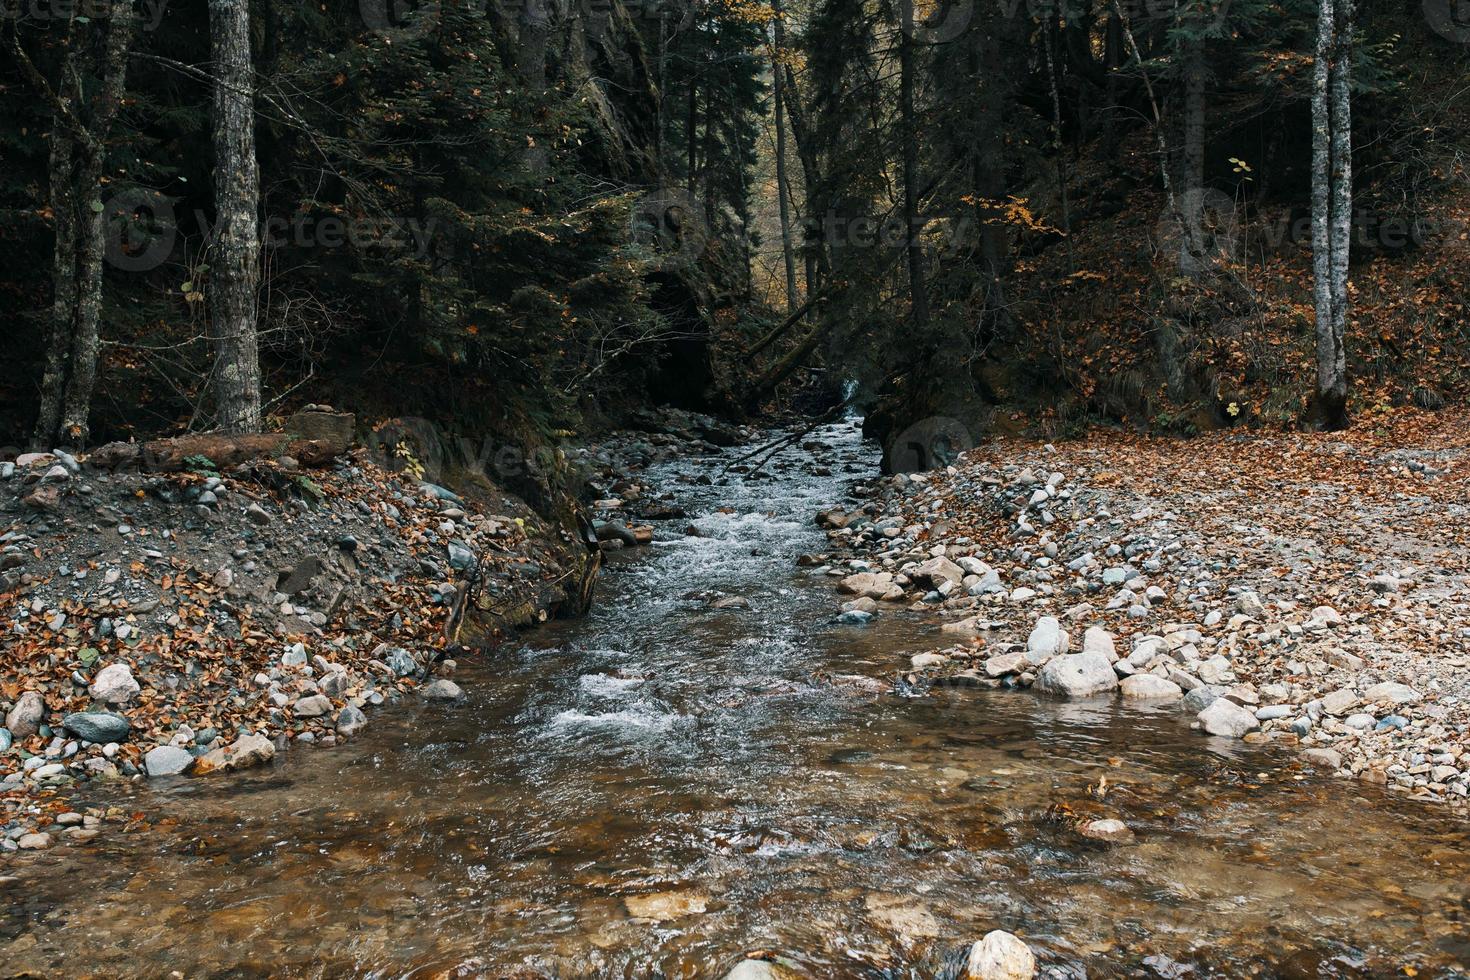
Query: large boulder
<point x="1392" y="693"/>
<point x="24" y="719"/>
<point x="1000" y="956"/>
<point x="874" y="585"/>
<point x="1226" y="718"/>
<point x="114" y="684"/>
<point x="441" y="690"/>
<point x="99" y="727"/>
<point x="1202" y="696"/>
<point x="167" y="760"/>
<point x="1099" y="640"/>
<point x="320" y="424"/>
<point x="1149" y="687"/>
<point x="1047" y="640"/>
<point x="351" y="721"/>
<point x="937" y="571"/>
<point x="246" y="751"/>
<point x="1078" y="675"/>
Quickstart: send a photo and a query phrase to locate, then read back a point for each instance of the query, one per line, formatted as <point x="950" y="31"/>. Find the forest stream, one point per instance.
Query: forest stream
<point x="665" y="788"/>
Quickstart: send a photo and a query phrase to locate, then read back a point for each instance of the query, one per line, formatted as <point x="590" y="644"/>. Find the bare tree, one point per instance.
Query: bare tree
<point x="235" y="272"/>
<point x="777" y="81"/>
<point x="1332" y="201"/>
<point x="919" y="297"/>
<point x="78" y="156"/>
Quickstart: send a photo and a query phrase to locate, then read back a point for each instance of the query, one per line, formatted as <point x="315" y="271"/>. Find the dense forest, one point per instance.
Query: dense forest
<point x="528" y="219"/>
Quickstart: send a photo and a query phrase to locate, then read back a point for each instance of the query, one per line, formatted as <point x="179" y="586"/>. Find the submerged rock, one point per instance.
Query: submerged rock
<point x="441" y="690"/>
<point x="1112" y="831"/>
<point x="665" y="906"/>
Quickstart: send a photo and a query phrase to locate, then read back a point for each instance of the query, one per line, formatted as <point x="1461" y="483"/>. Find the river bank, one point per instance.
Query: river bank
<point x="1306" y="590"/>
<point x="681" y="784"/>
<point x="164" y="625"/>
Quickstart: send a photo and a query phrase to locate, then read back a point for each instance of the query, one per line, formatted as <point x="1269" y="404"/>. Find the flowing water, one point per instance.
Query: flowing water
<point x="665" y="787"/>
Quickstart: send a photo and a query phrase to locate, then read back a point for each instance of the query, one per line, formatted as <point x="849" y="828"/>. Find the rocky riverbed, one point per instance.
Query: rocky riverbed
<point x="158" y="625"/>
<point x="1307" y="590"/>
<point x="683" y="784"/>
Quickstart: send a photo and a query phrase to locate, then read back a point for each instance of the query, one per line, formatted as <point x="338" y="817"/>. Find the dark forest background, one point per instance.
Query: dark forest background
<point x="533" y="218"/>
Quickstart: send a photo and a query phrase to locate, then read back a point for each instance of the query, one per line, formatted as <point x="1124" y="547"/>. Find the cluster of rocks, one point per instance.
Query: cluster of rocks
<point x="157" y="624"/>
<point x="1252" y="612"/>
<point x="1000" y="955"/>
<point x="624" y="502"/>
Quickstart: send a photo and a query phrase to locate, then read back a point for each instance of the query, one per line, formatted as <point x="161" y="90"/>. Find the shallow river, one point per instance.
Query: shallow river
<point x="664" y="788"/>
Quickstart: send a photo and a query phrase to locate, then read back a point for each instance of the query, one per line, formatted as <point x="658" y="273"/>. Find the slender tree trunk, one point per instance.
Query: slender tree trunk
<point x="1048" y="31"/>
<point x="787" y="255"/>
<point x="660" y="117"/>
<point x="235" y="276"/>
<point x="814" y="252"/>
<point x="91" y="228"/>
<point x="64" y="268"/>
<point x="918" y="295"/>
<point x="691" y="131"/>
<point x="1332" y="202"/>
<point x="1192" y="179"/>
<point x="1342" y="207"/>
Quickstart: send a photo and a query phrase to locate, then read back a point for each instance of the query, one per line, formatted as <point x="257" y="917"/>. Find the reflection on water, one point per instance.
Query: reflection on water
<point x="666" y="787"/>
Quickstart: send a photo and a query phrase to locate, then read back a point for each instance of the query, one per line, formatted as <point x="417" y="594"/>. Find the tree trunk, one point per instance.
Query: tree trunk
<point x="1342" y="210"/>
<point x="919" y="309"/>
<point x="788" y="257"/>
<point x="1192" y="178"/>
<point x="1331" y="203"/>
<point x="80" y="229"/>
<point x="235" y="275"/>
<point x="64" y="269"/>
<point x="814" y="253"/>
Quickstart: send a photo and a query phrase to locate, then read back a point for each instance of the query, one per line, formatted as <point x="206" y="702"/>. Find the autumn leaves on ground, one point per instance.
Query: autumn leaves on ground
<point x="203" y="618"/>
<point x="1304" y="589"/>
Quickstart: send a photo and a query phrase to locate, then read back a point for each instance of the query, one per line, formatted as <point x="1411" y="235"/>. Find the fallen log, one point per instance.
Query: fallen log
<point x="313" y="437"/>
